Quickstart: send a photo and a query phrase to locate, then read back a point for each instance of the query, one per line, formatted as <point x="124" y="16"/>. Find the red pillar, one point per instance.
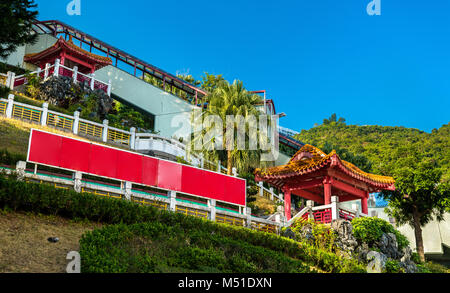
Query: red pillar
<point x="364" y="205"/>
<point x="327" y="190"/>
<point x="287" y="205"/>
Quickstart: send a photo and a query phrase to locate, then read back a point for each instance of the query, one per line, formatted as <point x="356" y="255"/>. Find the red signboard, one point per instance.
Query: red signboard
<point x="90" y="158"/>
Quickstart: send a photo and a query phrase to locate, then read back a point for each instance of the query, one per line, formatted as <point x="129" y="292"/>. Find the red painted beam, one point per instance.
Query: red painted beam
<point x="310" y="196"/>
<point x="306" y="185"/>
<point x="348" y="188"/>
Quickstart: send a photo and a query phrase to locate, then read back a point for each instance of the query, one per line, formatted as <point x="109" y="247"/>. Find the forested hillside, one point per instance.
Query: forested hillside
<point x="375" y="148"/>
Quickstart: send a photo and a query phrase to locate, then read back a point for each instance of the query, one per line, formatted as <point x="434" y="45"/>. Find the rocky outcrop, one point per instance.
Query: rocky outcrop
<point x="62" y="92"/>
<point x="376" y="256"/>
<point x="345" y="240"/>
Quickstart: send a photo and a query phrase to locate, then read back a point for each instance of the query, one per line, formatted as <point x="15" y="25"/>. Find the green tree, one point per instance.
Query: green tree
<point x="333" y="120"/>
<point x="16" y="23"/>
<point x="230" y="100"/>
<point x="420" y="194"/>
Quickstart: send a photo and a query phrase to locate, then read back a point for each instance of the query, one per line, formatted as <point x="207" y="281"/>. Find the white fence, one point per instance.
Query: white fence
<point x="12" y="81"/>
<point x="141" y="142"/>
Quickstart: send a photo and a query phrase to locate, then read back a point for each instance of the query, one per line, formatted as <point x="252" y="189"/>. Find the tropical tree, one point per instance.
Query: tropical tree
<point x="230" y="100"/>
<point x="16" y="25"/>
<point x="420" y="195"/>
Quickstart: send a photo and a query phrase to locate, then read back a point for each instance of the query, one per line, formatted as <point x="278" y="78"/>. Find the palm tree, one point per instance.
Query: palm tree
<point x="231" y="99"/>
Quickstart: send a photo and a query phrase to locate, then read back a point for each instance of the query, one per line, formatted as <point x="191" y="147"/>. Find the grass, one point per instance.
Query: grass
<point x="24" y="247"/>
<point x="15" y="134"/>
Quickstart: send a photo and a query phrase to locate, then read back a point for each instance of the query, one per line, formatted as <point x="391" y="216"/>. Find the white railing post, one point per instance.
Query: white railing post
<point x="75" y="74"/>
<point x="105" y="130"/>
<point x="261" y="188"/>
<point x="47" y="70"/>
<point x="310" y="205"/>
<point x="8" y="79"/>
<point x="334" y="208"/>
<point x="12" y="80"/>
<point x="20" y="170"/>
<point x="219" y="166"/>
<point x="38" y="73"/>
<point x="76" y="122"/>
<point x="355" y="207"/>
<point x="271" y="193"/>
<point x="248" y="214"/>
<point x="212" y="207"/>
<point x="109" y="88"/>
<point x="173" y="200"/>
<point x="133" y="138"/>
<point x="92" y="81"/>
<point x="202" y="162"/>
<point x="234" y="171"/>
<point x="44" y="114"/>
<point x="9" y="107"/>
<point x="56" y="69"/>
<point x="77" y="176"/>
<point x="127" y="186"/>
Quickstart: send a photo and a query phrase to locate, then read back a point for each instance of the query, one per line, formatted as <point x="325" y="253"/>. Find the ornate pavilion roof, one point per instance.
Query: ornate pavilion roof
<point x="69" y="46"/>
<point x="310" y="159"/>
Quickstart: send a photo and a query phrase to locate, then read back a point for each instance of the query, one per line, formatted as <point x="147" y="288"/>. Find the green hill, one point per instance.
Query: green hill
<point x="373" y="148"/>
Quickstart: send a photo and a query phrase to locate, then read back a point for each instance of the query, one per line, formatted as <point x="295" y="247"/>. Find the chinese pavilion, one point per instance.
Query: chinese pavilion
<point x="316" y="176"/>
<point x="70" y="55"/>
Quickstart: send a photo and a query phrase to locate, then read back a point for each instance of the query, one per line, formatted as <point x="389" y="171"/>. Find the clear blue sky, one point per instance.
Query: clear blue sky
<point x="314" y="57"/>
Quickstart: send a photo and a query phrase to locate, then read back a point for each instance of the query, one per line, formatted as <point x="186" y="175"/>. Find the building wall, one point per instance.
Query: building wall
<point x="172" y="114"/>
<point x="16" y="58"/>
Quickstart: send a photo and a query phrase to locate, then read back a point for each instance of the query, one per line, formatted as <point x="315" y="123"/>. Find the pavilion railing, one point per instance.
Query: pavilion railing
<point x="269" y="193"/>
<point x="57" y="69"/>
<point x="325" y="214"/>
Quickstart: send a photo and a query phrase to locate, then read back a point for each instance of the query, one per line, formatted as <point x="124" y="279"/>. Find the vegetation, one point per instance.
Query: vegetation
<point x="418" y="161"/>
<point x="16" y="23"/>
<point x="229" y="101"/>
<point x="369" y="230"/>
<point x="41" y="198"/>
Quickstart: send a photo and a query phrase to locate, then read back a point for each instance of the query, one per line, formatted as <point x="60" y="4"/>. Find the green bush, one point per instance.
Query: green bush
<point x="370" y="230"/>
<point x="7" y="158"/>
<point x="45" y="199"/>
<point x="160" y="248"/>
<point x="393" y="266"/>
<point x="324" y="237"/>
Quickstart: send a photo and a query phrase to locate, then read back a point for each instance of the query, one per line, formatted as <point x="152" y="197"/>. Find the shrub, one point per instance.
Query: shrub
<point x="45" y="199"/>
<point x="370" y="230"/>
<point x="10" y="159"/>
<point x="393" y="266"/>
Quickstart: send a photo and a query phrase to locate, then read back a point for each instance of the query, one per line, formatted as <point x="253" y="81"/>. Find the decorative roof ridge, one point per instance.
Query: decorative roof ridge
<point x="70" y="45"/>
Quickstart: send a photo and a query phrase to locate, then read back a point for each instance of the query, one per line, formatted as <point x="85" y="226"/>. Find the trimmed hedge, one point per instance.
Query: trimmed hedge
<point x="45" y="199"/>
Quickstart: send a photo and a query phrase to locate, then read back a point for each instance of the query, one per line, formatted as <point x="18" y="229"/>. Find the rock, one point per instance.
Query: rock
<point x="345" y="239"/>
<point x="288" y="233"/>
<point x="376" y="262"/>
<point x="53" y="239"/>
<point x="61" y="92"/>
<point x="362" y="251"/>
<point x="409" y="266"/>
<point x="406" y="254"/>
<point x="389" y="246"/>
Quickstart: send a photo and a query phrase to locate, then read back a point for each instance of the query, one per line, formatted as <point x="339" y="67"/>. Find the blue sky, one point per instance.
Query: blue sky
<point x="314" y="57"/>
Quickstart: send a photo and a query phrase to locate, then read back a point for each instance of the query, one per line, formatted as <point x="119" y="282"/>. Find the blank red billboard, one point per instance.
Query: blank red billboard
<point x="90" y="158"/>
